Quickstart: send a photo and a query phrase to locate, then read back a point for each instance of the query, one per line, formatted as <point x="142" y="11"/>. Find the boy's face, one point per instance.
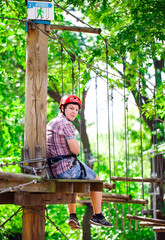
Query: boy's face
<point x="71" y="111"/>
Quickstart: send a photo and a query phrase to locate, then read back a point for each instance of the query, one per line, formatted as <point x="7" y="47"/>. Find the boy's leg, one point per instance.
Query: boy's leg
<point x="72" y="208"/>
<point x="96" y="198"/>
<point x="73" y="220"/>
<point x="98" y="218"/>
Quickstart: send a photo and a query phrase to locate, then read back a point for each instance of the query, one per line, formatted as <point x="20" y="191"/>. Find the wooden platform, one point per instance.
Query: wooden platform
<point x="45" y="191"/>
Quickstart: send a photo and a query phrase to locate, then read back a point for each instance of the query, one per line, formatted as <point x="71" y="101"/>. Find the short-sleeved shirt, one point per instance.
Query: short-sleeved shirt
<point x="59" y="130"/>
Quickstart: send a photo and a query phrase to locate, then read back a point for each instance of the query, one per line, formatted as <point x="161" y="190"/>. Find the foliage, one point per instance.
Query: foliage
<point x="134" y="30"/>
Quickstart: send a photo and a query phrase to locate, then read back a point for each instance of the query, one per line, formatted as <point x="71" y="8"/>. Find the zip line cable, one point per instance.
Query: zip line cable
<point x="26" y="20"/>
<point x="29" y="21"/>
<point x="90" y="66"/>
<point x="72" y="50"/>
<point x="65" y="48"/>
<point x="81" y="60"/>
<point x="79" y="20"/>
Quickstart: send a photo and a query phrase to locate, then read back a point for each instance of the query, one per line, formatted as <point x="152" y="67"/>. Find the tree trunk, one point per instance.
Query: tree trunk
<point x="86" y="225"/>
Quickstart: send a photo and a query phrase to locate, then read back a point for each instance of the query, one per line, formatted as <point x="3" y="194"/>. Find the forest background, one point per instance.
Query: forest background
<point x="134" y="30"/>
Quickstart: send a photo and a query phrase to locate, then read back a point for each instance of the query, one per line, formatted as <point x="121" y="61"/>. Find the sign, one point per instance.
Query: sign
<point x="40" y="10"/>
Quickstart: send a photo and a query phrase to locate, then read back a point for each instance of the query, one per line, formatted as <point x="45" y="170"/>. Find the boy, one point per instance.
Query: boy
<point x="62" y="151"/>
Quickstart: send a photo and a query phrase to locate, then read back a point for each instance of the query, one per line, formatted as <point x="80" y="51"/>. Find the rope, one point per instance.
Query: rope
<point x="129" y="183"/>
<point x="62" y="77"/>
<point x="141" y="138"/>
<point x="9" y="219"/>
<point x="10" y="189"/>
<point x="109" y="146"/>
<point x="97" y="139"/>
<point x="153" y="165"/>
<point x="89" y="65"/>
<point x="125" y="124"/>
<point x="113" y="132"/>
<point x="80" y="112"/>
<point x="73" y="66"/>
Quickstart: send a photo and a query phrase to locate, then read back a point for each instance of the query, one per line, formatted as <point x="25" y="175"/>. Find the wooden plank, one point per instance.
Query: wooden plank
<point x="65" y="187"/>
<point x="81" y="187"/>
<point x="119" y="200"/>
<point x="137" y="179"/>
<point x="33" y="199"/>
<point x="132" y="201"/>
<point x="148" y="224"/>
<point x="7" y="198"/>
<point x="145" y="219"/>
<point x="111" y="195"/>
<point x="75" y="29"/>
<point x="159" y="229"/>
<point x="8" y="180"/>
<point x="96" y="186"/>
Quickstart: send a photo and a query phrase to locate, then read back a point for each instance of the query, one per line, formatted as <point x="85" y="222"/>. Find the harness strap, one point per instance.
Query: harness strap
<point x="50" y="161"/>
<point x="82" y="168"/>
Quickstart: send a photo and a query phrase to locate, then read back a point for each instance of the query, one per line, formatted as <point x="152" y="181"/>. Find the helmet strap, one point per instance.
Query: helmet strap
<point x="63" y="109"/>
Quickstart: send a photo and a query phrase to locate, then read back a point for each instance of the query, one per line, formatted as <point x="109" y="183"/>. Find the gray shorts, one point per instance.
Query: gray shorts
<point x="76" y="173"/>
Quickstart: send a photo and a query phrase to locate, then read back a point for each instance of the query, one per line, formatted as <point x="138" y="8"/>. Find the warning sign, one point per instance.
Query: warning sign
<point x="40" y="10"/>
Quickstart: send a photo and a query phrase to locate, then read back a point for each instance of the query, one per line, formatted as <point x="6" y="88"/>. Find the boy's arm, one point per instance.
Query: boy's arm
<point x="73" y="146"/>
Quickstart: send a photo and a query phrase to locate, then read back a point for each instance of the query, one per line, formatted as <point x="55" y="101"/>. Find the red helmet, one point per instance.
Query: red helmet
<point x="70" y="99"/>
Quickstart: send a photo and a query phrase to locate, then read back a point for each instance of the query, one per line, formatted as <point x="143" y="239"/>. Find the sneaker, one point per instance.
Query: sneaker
<point x="100" y="221"/>
<point x="73" y="223"/>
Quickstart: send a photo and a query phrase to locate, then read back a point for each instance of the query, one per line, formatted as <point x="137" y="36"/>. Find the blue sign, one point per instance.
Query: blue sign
<point x="39" y="4"/>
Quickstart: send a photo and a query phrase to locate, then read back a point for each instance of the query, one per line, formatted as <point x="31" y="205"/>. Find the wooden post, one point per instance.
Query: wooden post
<point x="35" y="119"/>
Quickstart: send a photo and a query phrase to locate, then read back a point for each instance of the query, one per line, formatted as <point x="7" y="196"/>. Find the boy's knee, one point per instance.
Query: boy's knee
<point x="97" y="178"/>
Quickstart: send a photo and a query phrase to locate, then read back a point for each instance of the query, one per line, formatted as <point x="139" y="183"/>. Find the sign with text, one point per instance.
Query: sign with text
<point x="40" y="10"/>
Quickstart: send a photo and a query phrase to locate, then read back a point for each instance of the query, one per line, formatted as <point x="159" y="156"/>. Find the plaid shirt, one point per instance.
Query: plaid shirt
<point x="59" y="130"/>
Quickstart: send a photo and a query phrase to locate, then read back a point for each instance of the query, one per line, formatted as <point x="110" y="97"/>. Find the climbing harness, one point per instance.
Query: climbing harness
<point x="53" y="160"/>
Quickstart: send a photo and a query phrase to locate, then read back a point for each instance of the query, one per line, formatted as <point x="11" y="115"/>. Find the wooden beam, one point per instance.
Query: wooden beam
<point x="7" y="198"/>
<point x="136" y="179"/>
<point x="33" y="199"/>
<point x="118" y="200"/>
<point x="18" y="177"/>
<point x="132" y="201"/>
<point x="33" y="223"/>
<point x="149" y="224"/>
<point x="145" y="219"/>
<point x="159" y="229"/>
<point x="75" y="29"/>
<point x="109" y="185"/>
<point x="110" y="195"/>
